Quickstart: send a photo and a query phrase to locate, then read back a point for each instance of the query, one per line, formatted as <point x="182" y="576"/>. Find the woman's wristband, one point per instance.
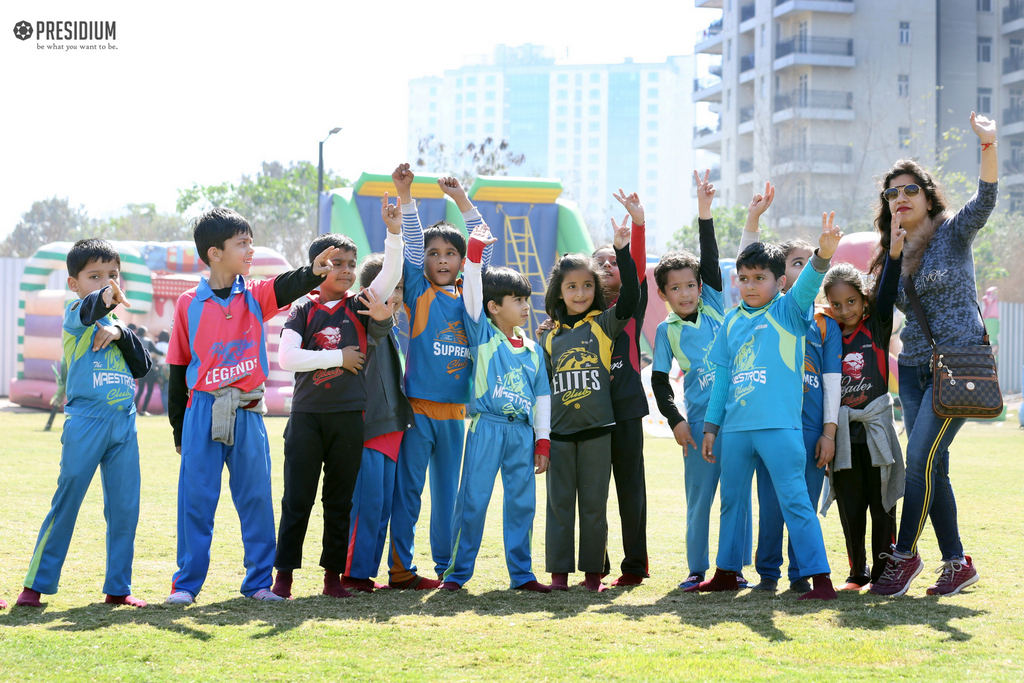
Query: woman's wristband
<point x="829" y="438"/>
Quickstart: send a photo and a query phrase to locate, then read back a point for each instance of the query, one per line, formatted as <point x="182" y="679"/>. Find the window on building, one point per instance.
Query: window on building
<point x="561" y="143"/>
<point x="593" y="158"/>
<point x="577" y="159"/>
<point x="470" y="112"/>
<point x="577" y="127"/>
<point x="561" y="110"/>
<point x="458" y="114"/>
<point x="490" y="80"/>
<point x="593" y="175"/>
<point x="652" y="110"/>
<point x="489" y="111"/>
<point x="652" y="191"/>
<point x="652" y="125"/>
<point x="984" y="5"/>
<point x="652" y="158"/>
<point x="562" y="94"/>
<point x="470" y="81"/>
<point x="904" y="33"/>
<point x="652" y="93"/>
<point x="470" y="129"/>
<point x="458" y="82"/>
<point x="432" y="121"/>
<point x="592" y="190"/>
<point x="579" y="95"/>
<point x="904" y="85"/>
<point x="488" y="127"/>
<point x="579" y="79"/>
<point x="433" y="106"/>
<point x="490" y="96"/>
<point x="595" y="94"/>
<point x="652" y="141"/>
<point x="577" y="144"/>
<point x="652" y="76"/>
<point x="433" y="91"/>
<point x="652" y="174"/>
<point x="594" y="142"/>
<point x="762" y="87"/>
<point x="471" y="97"/>
<point x="594" y="110"/>
<point x="984" y="49"/>
<point x="458" y="99"/>
<point x="594" y="126"/>
<point x="563" y="79"/>
<point x="577" y="111"/>
<point x="904" y="138"/>
<point x="561" y="127"/>
<point x="595" y="78"/>
<point x="801" y="198"/>
<point x="561" y="159"/>
<point x="764" y="30"/>
<point x="458" y="129"/>
<point x="984" y="100"/>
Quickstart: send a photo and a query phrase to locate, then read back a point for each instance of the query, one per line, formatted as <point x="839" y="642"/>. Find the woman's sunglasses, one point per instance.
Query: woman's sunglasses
<point x="909" y="191"/>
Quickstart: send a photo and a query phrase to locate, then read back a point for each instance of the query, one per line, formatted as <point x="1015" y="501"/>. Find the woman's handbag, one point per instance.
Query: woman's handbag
<point x="964" y="381"/>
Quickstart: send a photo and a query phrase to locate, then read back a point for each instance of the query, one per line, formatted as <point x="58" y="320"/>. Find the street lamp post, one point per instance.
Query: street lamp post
<point x="320" y="180"/>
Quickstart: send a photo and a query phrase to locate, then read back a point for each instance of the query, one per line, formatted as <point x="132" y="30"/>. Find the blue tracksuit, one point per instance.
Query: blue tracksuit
<point x="756" y="403"/>
<point x="506" y="384"/>
<point x="99" y="431"/>
<point x="690" y="343"/>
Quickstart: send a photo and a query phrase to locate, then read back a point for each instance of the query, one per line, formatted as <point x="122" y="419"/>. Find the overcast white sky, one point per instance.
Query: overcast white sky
<point x="204" y="91"/>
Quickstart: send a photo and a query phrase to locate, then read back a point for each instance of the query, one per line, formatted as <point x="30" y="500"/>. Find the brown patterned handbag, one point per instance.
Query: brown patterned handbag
<point x="964" y="381"/>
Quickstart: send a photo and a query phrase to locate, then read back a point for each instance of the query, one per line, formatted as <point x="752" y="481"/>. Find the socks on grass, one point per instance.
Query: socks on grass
<point x="534" y="587"/>
<point x="361" y="585"/>
<point x="559" y="581"/>
<point x="124" y="600"/>
<point x="592" y="580"/>
<point x="722" y="581"/>
<point x="416" y="583"/>
<point x="450" y="586"/>
<point x="628" y="579"/>
<point x="822" y="590"/>
<point x="332" y="585"/>
<point x="283" y="585"/>
<point x="29" y="598"/>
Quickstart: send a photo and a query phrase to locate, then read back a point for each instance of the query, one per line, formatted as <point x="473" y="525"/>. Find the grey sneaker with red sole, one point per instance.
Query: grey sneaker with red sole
<point x="898" y="575"/>
<point x="954" y="576"/>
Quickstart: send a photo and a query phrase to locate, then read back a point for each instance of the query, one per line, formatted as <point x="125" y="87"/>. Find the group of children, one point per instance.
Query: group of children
<point x="764" y="392"/>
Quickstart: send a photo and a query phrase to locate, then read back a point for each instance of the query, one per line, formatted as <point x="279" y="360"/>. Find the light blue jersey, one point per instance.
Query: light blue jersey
<point x="99" y="382"/>
<point x="506" y="380"/>
<point x="763" y="350"/>
<point x="823" y="354"/>
<point x="690" y="344"/>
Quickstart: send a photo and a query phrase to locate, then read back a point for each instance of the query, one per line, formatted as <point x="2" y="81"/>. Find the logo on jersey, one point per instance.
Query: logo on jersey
<point x="853" y="365"/>
<point x="811" y="375"/>
<point x="112" y="370"/>
<point x="452" y="341"/>
<point x="328" y="338"/>
<point x="576" y="376"/>
<point x="230" y="363"/>
<point x="510" y="388"/>
<point x="745" y="375"/>
<point x="706" y="376"/>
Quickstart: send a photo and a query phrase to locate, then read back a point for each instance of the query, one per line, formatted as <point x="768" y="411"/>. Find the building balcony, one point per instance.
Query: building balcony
<point x="707" y="137"/>
<point x="823" y="159"/>
<point x="709" y="40"/>
<point x="715" y="69"/>
<point x="747" y="22"/>
<point x="783" y="7"/>
<point x="1013" y="17"/>
<point x="745" y="171"/>
<point x="827" y="105"/>
<point x="814" y="51"/>
<point x="1013" y="70"/>
<point x="746" y="121"/>
<point x="709" y="4"/>
<point x="1012" y="122"/>
<point x="1013" y="173"/>
<point x="707" y="90"/>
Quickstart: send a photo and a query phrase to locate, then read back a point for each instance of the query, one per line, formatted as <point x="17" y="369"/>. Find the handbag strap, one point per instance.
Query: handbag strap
<point x="915" y="303"/>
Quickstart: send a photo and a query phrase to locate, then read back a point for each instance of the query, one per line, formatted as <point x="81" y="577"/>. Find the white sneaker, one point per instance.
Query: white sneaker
<point x="265" y="595"/>
<point x="180" y="598"/>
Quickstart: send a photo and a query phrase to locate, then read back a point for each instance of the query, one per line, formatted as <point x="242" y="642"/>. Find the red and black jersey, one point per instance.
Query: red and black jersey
<point x="865" y="366"/>
<point x="324" y="328"/>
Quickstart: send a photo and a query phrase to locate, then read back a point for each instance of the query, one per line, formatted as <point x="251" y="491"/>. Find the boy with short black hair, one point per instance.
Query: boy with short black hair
<point x="756" y="404"/>
<point x="325" y="342"/>
<point x="437" y="377"/>
<point x="692" y="288"/>
<point x="511" y="402"/>
<point x="99" y="429"/>
<point x="218" y="359"/>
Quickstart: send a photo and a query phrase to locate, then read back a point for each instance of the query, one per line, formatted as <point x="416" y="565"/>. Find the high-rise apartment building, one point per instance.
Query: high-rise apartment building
<point x="596" y="127"/>
<point x="822" y="96"/>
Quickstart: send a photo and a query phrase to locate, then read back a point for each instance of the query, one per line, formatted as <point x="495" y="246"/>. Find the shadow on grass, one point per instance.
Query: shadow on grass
<point x="757" y="610"/>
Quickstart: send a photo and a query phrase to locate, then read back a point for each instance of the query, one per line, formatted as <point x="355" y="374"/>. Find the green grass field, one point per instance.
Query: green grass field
<point x="650" y="632"/>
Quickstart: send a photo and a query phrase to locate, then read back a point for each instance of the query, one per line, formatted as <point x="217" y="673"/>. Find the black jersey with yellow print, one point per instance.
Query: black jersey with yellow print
<point x="579" y="362"/>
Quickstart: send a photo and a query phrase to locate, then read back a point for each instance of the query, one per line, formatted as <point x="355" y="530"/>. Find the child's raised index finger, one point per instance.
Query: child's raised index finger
<point x="696" y="176"/>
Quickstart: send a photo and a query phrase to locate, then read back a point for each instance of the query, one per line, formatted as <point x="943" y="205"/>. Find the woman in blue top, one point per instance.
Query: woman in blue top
<point x="938" y="258"/>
